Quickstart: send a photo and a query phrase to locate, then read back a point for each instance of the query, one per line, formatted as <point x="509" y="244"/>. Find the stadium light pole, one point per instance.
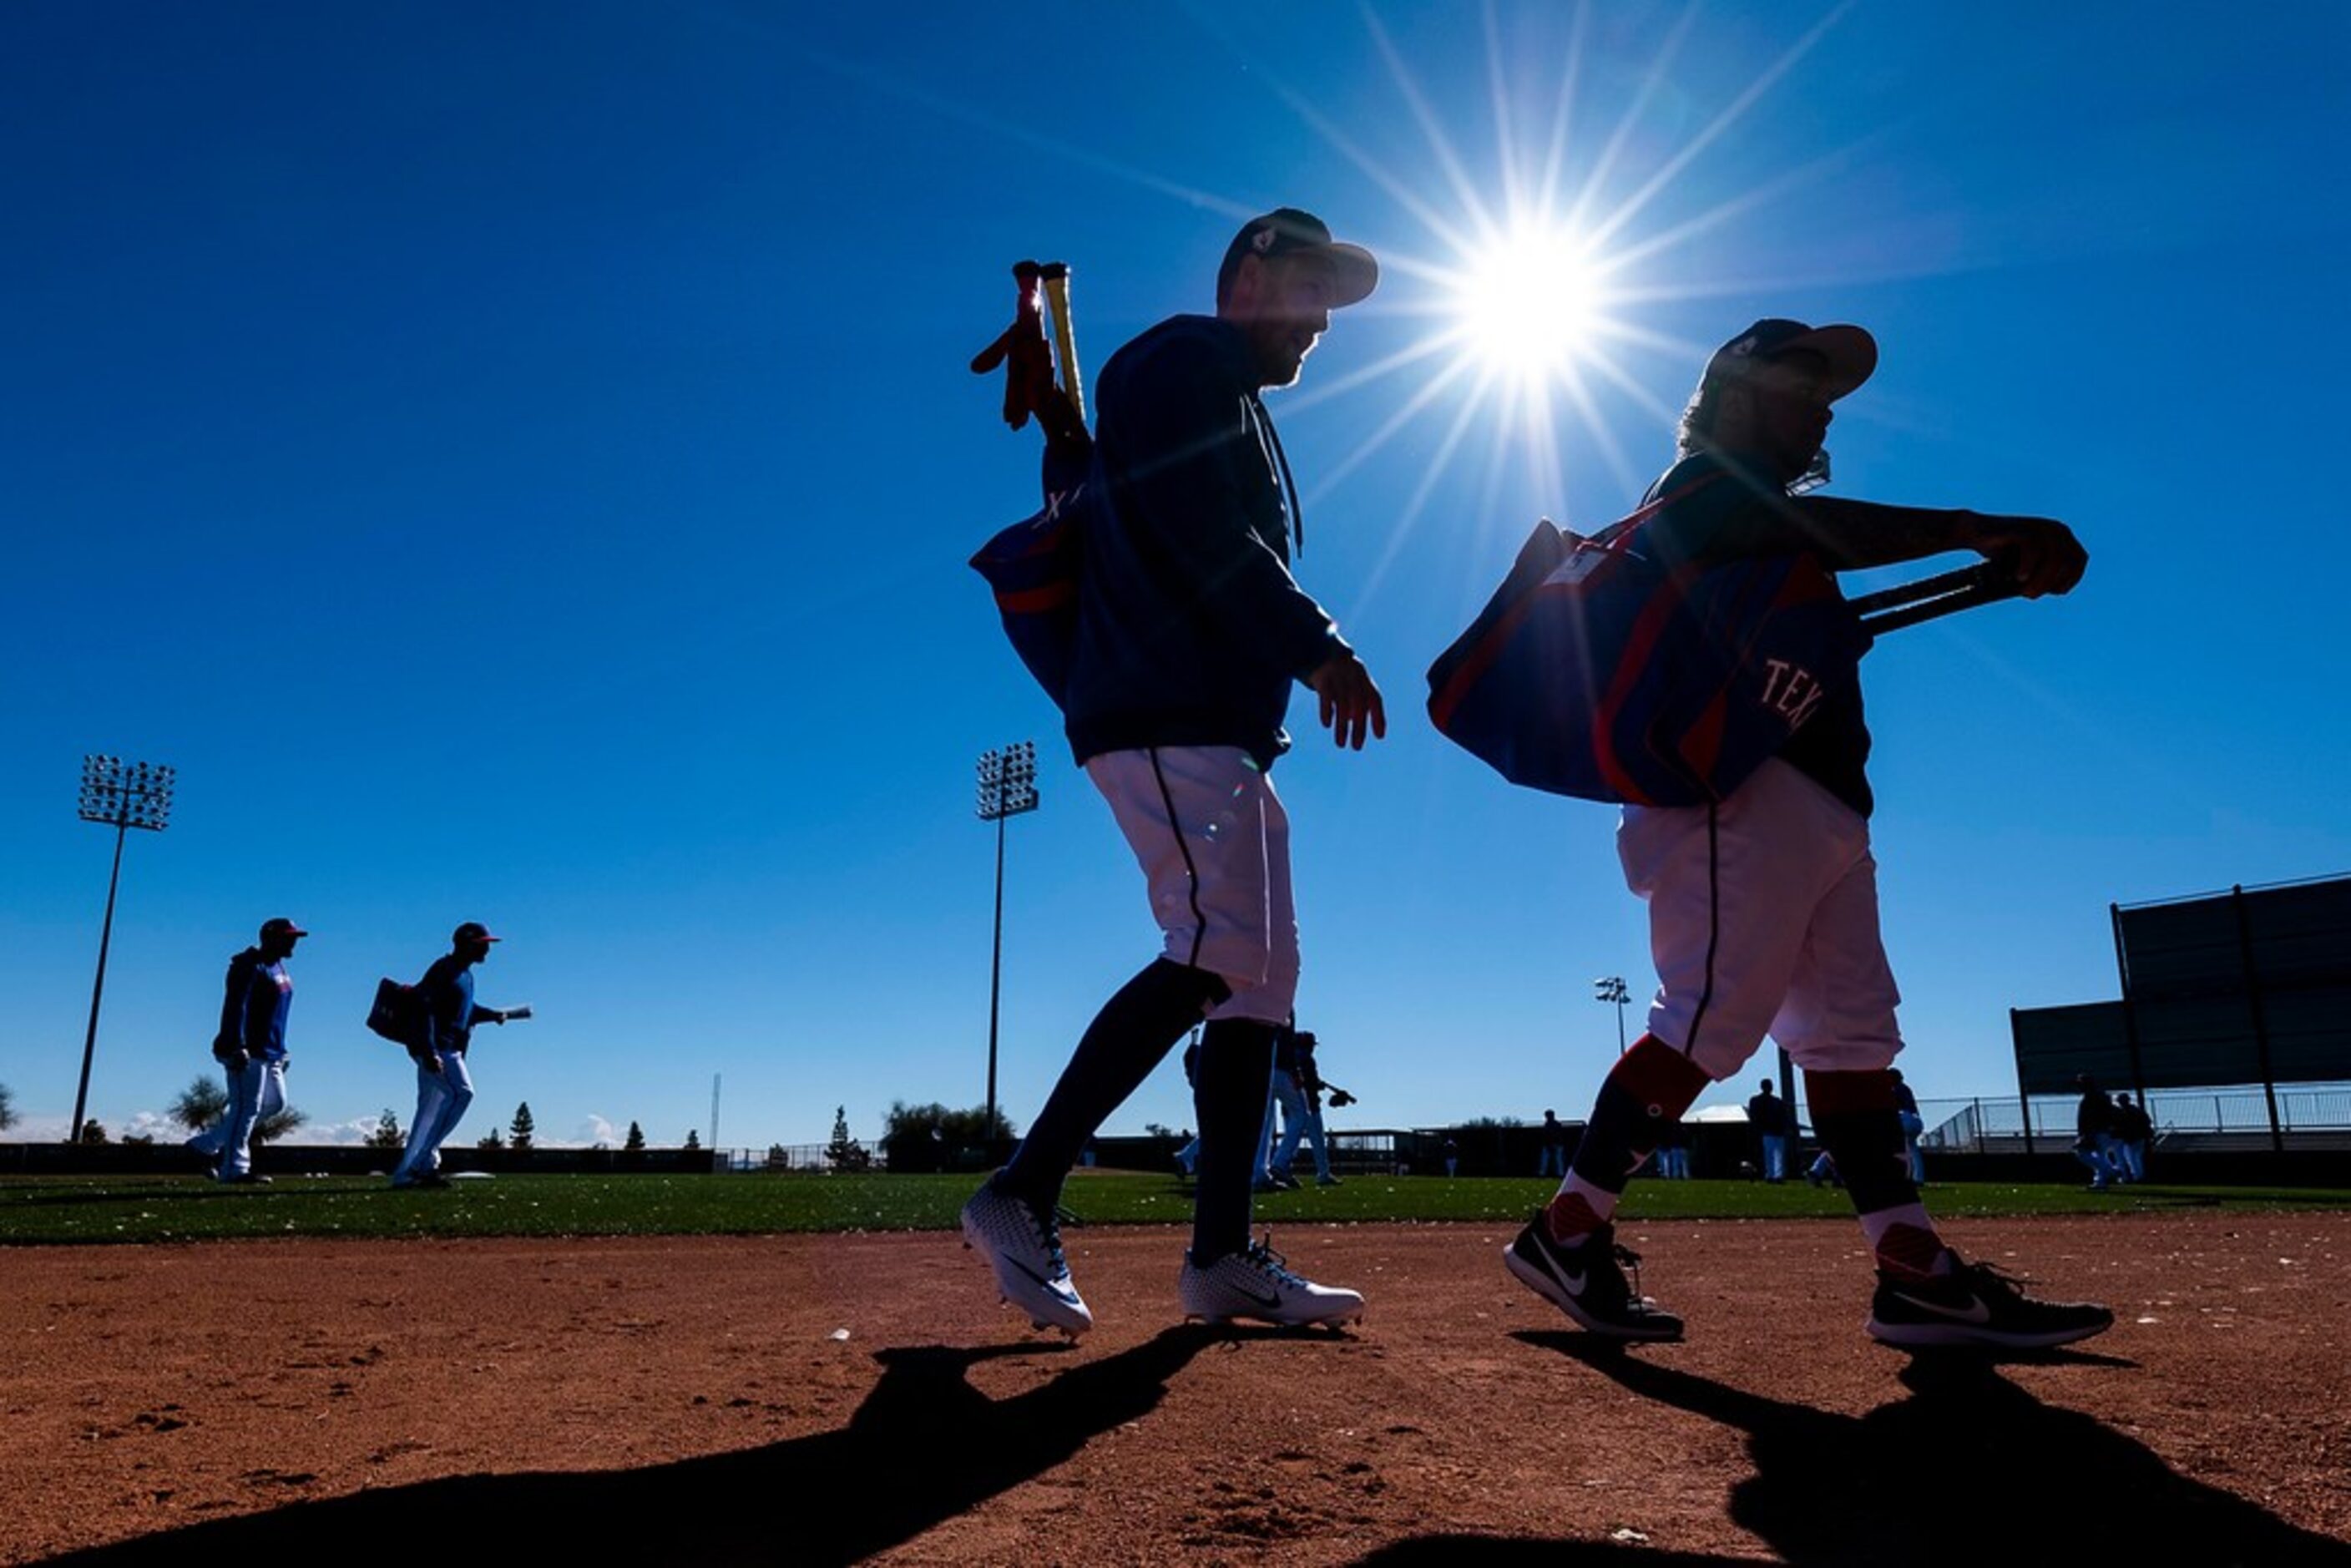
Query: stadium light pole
<point x="1008" y="787"/>
<point x="1610" y="989"/>
<point x="123" y="795"/>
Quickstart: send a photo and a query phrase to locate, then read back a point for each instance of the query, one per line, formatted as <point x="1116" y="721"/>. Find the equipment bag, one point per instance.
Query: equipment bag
<point x="1596" y="672"/>
<point x="398" y="1014"/>
<point x="1033" y="568"/>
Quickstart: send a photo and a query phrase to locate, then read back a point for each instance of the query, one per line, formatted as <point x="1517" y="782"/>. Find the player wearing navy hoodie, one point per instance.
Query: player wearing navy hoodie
<point x="1191" y="634"/>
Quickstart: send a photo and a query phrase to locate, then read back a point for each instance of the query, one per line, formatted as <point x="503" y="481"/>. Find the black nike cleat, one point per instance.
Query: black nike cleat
<point x="1975" y="1304"/>
<point x="1587" y="1282"/>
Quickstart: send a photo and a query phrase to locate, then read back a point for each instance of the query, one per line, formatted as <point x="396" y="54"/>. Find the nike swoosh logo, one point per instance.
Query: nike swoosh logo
<point x="1571" y="1283"/>
<point x="1975" y="1311"/>
<point x="1260" y="1300"/>
<point x="1059" y="1292"/>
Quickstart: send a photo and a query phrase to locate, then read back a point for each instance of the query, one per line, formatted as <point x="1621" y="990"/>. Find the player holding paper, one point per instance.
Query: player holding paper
<point x="1763" y="907"/>
<point x="444" y="1086"/>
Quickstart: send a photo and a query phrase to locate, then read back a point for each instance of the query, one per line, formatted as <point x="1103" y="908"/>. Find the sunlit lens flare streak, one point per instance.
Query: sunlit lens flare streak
<point x="1439" y="465"/>
<point x="1431" y="126"/>
<point x="1656" y="407"/>
<point x="1612" y="450"/>
<point x="1371" y="444"/>
<point x="1752" y="94"/>
<point x="1422" y="348"/>
<point x="1621" y="136"/>
<point x="1562" y="109"/>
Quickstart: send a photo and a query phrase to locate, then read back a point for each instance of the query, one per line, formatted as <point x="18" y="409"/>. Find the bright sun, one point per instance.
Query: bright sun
<point x="1528" y="304"/>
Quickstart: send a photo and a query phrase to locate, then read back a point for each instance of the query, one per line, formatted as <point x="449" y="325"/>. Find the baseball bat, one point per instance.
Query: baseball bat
<point x="1055" y="276"/>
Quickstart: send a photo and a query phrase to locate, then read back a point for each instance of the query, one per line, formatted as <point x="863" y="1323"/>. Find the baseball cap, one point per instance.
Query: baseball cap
<point x="1851" y="352"/>
<point x="1287" y="231"/>
<point x="474" y="931"/>
<point x="280" y="926"/>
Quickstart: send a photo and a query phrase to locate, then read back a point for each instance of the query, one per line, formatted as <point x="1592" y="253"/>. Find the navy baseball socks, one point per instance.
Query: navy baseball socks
<point x="1012" y="1221"/>
<point x="1568" y="1253"/>
<point x="1927" y="1295"/>
<point x="1225" y="1276"/>
<point x="1229" y="1097"/>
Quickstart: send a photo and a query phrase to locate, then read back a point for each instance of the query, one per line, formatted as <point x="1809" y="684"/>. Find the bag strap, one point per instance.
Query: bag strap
<point x="1614" y="535"/>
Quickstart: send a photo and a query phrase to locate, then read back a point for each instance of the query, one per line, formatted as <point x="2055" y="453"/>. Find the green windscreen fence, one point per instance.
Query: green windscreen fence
<point x="2251" y="986"/>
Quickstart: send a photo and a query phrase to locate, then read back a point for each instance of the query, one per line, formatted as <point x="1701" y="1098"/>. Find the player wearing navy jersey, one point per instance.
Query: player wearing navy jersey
<point x="445" y="1085"/>
<point x="251" y="1048"/>
<point x="1763" y="907"/>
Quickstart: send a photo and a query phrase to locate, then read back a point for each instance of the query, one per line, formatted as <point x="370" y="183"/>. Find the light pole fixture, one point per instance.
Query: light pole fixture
<point x="1008" y="787"/>
<point x="123" y="795"/>
<point x="1610" y="989"/>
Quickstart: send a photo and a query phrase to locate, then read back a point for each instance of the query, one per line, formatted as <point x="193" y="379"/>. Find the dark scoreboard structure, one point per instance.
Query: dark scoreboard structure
<point x="2251" y="986"/>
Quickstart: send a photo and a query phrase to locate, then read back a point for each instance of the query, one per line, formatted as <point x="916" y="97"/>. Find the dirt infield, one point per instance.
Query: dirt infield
<point x="816" y="1399"/>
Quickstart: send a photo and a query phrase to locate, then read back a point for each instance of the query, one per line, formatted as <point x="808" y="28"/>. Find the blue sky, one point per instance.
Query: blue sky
<point x="518" y="462"/>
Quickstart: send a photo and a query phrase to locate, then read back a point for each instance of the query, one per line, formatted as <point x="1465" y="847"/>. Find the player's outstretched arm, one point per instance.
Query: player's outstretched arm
<point x="1351" y="706"/>
<point x="1849" y="535"/>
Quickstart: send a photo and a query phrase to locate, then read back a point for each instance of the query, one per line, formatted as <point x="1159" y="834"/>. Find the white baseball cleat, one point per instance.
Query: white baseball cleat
<point x="1024" y="1248"/>
<point x="1254" y="1283"/>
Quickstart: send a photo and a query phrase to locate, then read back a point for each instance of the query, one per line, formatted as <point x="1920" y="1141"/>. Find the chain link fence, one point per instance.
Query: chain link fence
<point x="1979" y="1125"/>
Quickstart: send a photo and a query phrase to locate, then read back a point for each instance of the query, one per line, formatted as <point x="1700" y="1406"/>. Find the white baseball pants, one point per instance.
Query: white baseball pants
<point x="1764" y="919"/>
<point x="255" y="1090"/>
<point x="1214" y="845"/>
<point x="441" y="1100"/>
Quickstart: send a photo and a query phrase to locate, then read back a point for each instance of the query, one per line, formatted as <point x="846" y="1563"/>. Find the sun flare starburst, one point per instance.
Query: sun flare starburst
<point x="1529" y="304"/>
<point x="1530" y="329"/>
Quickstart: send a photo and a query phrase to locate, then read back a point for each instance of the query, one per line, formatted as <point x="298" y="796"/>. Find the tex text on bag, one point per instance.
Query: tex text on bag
<point x="1598" y="672"/>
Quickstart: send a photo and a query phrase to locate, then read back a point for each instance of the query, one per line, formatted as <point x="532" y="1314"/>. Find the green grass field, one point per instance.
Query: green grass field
<point x="191" y="1208"/>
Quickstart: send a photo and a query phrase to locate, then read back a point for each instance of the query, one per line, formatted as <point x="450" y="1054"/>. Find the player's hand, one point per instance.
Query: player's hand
<point x="2043" y="552"/>
<point x="1351" y="706"/>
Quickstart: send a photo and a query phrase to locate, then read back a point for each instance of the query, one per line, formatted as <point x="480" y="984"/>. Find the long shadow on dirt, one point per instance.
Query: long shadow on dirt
<point x="924" y="1447"/>
<point x="1970" y="1470"/>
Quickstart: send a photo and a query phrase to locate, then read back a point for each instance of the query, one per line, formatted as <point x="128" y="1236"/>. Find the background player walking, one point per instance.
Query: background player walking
<point x="1763" y="907"/>
<point x="444" y="1086"/>
<point x="1191" y="631"/>
<point x="251" y="1048"/>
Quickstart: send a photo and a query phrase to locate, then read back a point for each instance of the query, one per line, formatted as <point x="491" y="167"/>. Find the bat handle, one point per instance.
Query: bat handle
<point x="1982" y="574"/>
<point x="1932" y="598"/>
<point x="1055" y="276"/>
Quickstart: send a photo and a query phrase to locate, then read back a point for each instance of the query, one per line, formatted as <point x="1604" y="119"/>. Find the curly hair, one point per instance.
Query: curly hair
<point x="1698" y="416"/>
